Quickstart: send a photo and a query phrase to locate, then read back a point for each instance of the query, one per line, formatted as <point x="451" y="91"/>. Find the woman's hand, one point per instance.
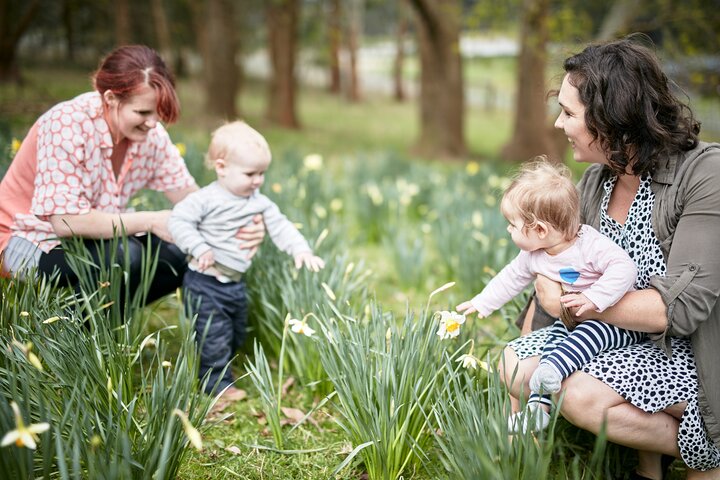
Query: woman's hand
<point x="252" y="235"/>
<point x="158" y="224"/>
<point x="548" y="293"/>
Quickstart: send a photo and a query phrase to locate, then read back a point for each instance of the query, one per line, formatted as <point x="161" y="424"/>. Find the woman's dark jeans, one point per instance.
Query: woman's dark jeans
<point x="168" y="276"/>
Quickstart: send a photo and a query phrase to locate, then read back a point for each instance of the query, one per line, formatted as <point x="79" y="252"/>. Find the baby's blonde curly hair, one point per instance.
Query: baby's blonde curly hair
<point x="543" y="191"/>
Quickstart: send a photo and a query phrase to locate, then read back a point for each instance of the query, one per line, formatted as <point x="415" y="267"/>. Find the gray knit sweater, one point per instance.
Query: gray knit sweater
<point x="210" y="218"/>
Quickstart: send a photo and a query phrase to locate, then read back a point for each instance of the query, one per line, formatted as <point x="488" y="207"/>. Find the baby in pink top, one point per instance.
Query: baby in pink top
<point x="543" y="211"/>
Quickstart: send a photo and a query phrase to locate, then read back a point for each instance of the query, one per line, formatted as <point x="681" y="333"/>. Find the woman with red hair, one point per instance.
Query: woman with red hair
<point x="84" y="159"/>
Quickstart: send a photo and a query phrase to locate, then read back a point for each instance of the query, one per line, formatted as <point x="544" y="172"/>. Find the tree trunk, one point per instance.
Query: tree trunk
<point x="282" y="25"/>
<point x="531" y="135"/>
<point x="353" y="44"/>
<point x="122" y="22"/>
<point x="162" y="31"/>
<point x="13" y="25"/>
<point x="442" y="108"/>
<point x="222" y="75"/>
<point x="334" y="31"/>
<point x="68" y="11"/>
<point x="399" y="63"/>
<point x="617" y="20"/>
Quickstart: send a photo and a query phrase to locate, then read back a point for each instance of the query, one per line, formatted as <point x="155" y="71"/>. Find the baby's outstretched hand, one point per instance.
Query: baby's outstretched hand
<point x="466" y="308"/>
<point x="578" y="301"/>
<point x="206" y="260"/>
<point x="312" y="262"/>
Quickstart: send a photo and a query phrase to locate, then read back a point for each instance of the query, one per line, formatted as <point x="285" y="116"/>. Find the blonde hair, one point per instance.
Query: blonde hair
<point x="235" y="139"/>
<point x="543" y="191"/>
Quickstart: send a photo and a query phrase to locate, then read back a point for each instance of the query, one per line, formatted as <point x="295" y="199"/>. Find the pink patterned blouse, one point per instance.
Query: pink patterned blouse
<point x="64" y="167"/>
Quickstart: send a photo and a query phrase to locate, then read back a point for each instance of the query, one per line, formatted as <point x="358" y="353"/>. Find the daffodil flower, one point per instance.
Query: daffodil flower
<point x="450" y="324"/>
<point x="191" y="432"/>
<point x="26" y="349"/>
<point x="468" y="361"/>
<point x="23" y="436"/>
<point x="313" y="162"/>
<point x="472" y="168"/>
<point x="336" y="204"/>
<point x="182" y="148"/>
<point x="300" y="326"/>
<point x="15" y="146"/>
<point x="328" y="291"/>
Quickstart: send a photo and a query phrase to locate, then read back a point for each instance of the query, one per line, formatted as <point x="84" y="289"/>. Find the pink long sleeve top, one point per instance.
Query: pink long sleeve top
<point x="593" y="265"/>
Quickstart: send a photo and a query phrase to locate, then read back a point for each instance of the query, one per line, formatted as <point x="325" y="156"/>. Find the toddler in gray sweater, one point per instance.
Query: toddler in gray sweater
<point x="204" y="226"/>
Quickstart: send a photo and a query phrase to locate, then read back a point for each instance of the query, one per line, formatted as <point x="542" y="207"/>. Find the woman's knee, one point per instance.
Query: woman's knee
<point x="584" y="400"/>
<point x="515" y="373"/>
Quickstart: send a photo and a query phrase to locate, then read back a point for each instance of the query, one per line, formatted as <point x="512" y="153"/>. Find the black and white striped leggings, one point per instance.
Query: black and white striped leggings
<point x="568" y="351"/>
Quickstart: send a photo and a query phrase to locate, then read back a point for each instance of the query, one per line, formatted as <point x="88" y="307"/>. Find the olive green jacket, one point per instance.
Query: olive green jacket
<point x="686" y="221"/>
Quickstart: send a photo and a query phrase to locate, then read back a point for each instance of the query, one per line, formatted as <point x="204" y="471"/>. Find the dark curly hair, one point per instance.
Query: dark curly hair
<point x="629" y="107"/>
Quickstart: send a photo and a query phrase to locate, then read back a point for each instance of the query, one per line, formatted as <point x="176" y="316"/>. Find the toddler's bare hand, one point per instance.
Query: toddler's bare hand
<point x="312" y="262"/>
<point x="579" y="302"/>
<point x="206" y="260"/>
<point x="466" y="308"/>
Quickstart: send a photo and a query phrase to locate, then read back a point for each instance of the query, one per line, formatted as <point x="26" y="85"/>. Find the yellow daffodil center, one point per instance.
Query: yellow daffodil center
<point x="452" y="325"/>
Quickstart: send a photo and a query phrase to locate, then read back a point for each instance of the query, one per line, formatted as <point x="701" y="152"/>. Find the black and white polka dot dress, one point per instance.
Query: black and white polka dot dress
<point x="642" y="373"/>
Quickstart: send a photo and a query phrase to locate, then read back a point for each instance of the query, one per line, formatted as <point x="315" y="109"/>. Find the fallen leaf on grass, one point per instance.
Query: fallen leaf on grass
<point x="286" y="386"/>
<point x="295" y="416"/>
<point x="261" y="419"/>
<point x="234" y="450"/>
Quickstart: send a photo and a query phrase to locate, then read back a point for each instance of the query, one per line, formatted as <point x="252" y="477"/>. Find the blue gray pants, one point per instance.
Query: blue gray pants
<point x="224" y="307"/>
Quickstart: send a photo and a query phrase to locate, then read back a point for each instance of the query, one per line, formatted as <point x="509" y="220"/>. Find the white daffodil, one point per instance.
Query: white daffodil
<point x="373" y="191"/>
<point x="336" y="205"/>
<point x="300" y="326"/>
<point x="468" y="361"/>
<point x="450" y="324"/>
<point x="313" y="162"/>
<point x="23" y="436"/>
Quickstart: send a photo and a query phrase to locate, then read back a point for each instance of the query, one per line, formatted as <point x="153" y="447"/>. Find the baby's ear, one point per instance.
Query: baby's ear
<point x="219" y="164"/>
<point x="542" y="229"/>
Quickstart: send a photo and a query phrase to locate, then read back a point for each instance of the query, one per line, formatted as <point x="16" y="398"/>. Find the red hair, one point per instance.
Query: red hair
<point x="130" y="67"/>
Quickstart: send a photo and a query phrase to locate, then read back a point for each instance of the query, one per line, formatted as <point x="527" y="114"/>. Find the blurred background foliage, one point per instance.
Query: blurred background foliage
<point x="359" y="51"/>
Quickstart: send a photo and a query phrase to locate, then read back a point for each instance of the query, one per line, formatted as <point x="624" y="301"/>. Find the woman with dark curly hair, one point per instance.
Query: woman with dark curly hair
<point x="654" y="189"/>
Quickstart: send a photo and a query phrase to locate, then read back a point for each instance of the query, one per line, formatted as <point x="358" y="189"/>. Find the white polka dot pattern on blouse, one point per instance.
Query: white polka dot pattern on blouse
<point x="74" y="172"/>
